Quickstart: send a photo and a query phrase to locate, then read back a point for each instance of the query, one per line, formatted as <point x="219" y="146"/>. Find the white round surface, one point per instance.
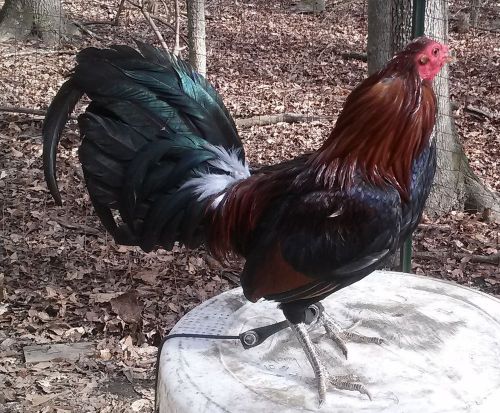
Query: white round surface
<point x="442" y="353"/>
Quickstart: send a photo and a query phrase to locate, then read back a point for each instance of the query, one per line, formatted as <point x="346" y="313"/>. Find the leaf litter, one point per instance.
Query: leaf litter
<point x="64" y="281"/>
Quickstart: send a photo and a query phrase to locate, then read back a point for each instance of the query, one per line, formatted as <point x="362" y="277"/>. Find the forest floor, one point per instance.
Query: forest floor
<point x="63" y="280"/>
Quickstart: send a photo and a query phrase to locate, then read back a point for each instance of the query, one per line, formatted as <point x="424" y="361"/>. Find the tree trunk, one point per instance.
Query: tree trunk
<point x="44" y="19"/>
<point x="474" y="12"/>
<point x="379" y="47"/>
<point x="196" y="35"/>
<point x="449" y="185"/>
<point x="383" y="43"/>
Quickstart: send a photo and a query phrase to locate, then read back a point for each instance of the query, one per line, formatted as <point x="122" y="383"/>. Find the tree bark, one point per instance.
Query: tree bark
<point x="383" y="43"/>
<point x="379" y="47"/>
<point x="44" y="19"/>
<point x="456" y="186"/>
<point x="448" y="192"/>
<point x="196" y="35"/>
<point x="474" y="12"/>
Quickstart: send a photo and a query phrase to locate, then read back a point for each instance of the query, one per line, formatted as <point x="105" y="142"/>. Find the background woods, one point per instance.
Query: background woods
<point x="284" y="72"/>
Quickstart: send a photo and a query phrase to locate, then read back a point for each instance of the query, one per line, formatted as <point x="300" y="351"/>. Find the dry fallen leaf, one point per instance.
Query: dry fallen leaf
<point x="59" y="261"/>
<point x="127" y="306"/>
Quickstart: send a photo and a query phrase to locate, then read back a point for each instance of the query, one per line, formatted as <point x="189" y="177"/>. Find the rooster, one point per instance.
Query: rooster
<point x="163" y="163"/>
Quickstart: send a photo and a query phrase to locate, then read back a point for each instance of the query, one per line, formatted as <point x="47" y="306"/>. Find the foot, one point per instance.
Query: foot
<point x="323" y="378"/>
<point x="340" y="336"/>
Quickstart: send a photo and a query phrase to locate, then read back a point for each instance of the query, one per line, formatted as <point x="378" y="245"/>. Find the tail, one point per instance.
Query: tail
<point x="158" y="144"/>
<point x="57" y="115"/>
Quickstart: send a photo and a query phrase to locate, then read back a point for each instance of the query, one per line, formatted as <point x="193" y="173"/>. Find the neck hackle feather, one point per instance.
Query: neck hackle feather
<point x="385" y="123"/>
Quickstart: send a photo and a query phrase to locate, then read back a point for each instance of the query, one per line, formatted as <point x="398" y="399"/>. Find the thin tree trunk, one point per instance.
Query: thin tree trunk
<point x="474" y="12"/>
<point x="379" y="47"/>
<point x="384" y="43"/>
<point x="196" y="35"/>
<point x="449" y="185"/>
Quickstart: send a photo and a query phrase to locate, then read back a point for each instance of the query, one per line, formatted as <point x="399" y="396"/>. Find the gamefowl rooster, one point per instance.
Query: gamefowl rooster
<point x="160" y="148"/>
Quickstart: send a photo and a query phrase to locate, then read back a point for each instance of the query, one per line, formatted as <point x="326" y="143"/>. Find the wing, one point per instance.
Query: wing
<point x="323" y="241"/>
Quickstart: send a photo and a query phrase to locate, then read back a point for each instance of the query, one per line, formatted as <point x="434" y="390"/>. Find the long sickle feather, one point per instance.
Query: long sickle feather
<point x="57" y="115"/>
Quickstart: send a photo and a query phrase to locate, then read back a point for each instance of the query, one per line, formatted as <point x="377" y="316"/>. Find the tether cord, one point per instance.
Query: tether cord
<point x="211" y="336"/>
<point x="268" y="330"/>
<point x="256" y="336"/>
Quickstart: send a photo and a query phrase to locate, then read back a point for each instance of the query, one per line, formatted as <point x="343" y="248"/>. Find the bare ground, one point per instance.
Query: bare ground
<point x="63" y="280"/>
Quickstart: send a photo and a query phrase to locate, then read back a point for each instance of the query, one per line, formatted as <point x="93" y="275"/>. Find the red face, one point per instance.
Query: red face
<point x="432" y="59"/>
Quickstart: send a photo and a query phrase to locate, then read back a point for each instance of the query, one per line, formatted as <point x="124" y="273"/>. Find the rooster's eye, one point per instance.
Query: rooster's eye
<point x="435" y="51"/>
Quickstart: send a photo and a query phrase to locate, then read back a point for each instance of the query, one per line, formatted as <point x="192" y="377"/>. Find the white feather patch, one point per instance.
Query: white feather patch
<point x="209" y="184"/>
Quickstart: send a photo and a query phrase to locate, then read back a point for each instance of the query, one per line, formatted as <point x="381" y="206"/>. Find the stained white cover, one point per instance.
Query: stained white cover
<point x="442" y="353"/>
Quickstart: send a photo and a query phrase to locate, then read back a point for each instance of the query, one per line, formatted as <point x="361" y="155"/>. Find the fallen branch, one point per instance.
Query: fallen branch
<point x="27" y="111"/>
<point x="485" y="259"/>
<point x="64" y="351"/>
<point x="231" y="276"/>
<point x="86" y="30"/>
<point x="81" y="228"/>
<point x="426" y="227"/>
<point x="97" y="22"/>
<point x="346" y="55"/>
<point x="263" y="120"/>
<point x="37" y="51"/>
<point x="12" y="109"/>
<point x="355" y="55"/>
<point x="486" y="29"/>
<point x="477" y="111"/>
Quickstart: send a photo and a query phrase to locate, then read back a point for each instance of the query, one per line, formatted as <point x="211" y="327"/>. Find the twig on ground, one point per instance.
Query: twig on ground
<point x="355" y="55"/>
<point x="477" y="111"/>
<point x="86" y="30"/>
<point x="485" y="259"/>
<point x="426" y="227"/>
<point x="81" y="228"/>
<point x="37" y="51"/>
<point x="27" y="111"/>
<point x="263" y="120"/>
<point x="97" y="22"/>
<point x="486" y="29"/>
<point x="231" y="276"/>
<point x="346" y="55"/>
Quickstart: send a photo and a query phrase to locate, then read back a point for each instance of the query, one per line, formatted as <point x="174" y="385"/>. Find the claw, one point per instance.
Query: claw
<point x="339" y="336"/>
<point x="346" y="383"/>
<point x="349" y="382"/>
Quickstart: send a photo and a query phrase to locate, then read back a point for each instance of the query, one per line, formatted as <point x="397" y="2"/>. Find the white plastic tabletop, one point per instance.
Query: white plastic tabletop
<point x="442" y="353"/>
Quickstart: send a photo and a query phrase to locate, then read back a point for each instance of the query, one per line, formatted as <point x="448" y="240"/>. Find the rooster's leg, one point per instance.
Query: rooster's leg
<point x="340" y="336"/>
<point x="322" y="377"/>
